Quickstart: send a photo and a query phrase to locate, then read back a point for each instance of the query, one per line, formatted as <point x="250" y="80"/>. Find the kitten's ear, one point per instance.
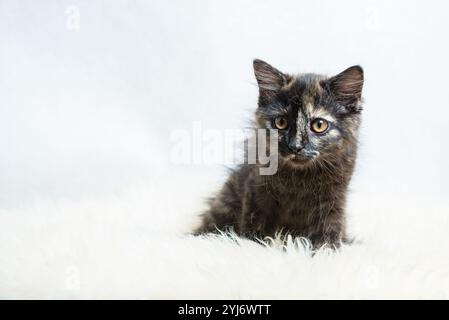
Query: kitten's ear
<point x="347" y="88"/>
<point x="268" y="77"/>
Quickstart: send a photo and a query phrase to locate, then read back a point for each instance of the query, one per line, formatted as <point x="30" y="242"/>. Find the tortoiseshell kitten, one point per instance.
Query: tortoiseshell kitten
<point x="317" y="120"/>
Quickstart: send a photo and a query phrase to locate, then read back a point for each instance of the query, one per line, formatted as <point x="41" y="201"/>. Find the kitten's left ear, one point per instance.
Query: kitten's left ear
<point x="268" y="77"/>
<point x="347" y="88"/>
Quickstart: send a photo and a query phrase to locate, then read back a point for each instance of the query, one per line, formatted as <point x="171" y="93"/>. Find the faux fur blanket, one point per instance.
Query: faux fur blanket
<point x="134" y="245"/>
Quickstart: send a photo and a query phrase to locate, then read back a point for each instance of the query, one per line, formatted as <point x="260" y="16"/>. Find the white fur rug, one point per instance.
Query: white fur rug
<point x="133" y="245"/>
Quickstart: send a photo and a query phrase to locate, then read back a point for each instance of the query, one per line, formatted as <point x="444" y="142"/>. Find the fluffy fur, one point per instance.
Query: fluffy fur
<point x="133" y="246"/>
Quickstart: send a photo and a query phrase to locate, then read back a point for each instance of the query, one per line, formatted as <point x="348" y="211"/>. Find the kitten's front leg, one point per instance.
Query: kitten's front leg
<point x="248" y="214"/>
<point x="331" y="230"/>
<point x="258" y="216"/>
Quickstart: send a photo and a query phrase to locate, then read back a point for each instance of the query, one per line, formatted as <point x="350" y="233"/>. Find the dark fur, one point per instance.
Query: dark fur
<point x="305" y="197"/>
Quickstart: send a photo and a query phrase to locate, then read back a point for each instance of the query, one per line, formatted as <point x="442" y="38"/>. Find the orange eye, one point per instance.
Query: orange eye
<point x="281" y="123"/>
<point x="319" y="125"/>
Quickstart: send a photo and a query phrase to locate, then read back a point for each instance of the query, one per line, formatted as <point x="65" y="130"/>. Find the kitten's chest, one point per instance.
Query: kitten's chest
<point x="301" y="198"/>
<point x="300" y="201"/>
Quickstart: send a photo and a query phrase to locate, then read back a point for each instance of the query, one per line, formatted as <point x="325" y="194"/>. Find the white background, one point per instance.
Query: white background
<point x="87" y="109"/>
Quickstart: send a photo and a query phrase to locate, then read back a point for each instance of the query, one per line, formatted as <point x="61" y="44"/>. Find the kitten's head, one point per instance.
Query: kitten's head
<point x="317" y="117"/>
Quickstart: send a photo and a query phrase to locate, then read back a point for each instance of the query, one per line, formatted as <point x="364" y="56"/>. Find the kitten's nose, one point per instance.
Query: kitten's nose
<point x="295" y="146"/>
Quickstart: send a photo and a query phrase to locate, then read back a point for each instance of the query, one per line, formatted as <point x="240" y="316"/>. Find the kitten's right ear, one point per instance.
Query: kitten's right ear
<point x="347" y="88"/>
<point x="268" y="78"/>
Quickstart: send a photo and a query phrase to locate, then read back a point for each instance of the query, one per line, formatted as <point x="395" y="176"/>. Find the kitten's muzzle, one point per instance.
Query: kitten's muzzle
<point x="295" y="146"/>
<point x="302" y="155"/>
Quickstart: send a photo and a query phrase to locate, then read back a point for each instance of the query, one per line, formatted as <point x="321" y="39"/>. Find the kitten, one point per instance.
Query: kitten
<point x="317" y="119"/>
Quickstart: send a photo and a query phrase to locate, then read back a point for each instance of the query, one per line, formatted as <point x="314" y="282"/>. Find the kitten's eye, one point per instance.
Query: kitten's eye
<point x="281" y="123"/>
<point x="319" y="125"/>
